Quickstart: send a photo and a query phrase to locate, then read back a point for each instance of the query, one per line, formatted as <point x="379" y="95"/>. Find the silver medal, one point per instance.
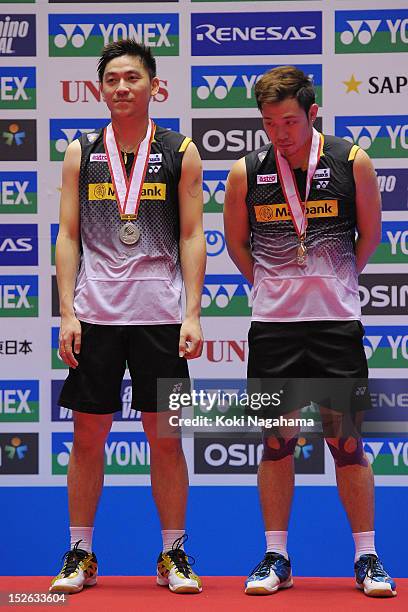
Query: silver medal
<point x="129" y="233"/>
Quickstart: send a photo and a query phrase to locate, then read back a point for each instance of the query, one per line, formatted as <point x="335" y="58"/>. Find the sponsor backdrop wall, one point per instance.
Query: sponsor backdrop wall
<point x="209" y="56"/>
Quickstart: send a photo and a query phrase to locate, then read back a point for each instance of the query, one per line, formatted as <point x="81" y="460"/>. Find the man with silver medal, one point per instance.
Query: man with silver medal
<point x="129" y="241"/>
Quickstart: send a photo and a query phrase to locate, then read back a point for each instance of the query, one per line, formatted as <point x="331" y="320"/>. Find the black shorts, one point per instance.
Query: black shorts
<point x="287" y="355"/>
<point x="151" y="352"/>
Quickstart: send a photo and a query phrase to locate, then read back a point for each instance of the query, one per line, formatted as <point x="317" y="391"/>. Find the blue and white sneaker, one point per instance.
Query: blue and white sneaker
<point x="372" y="577"/>
<point x="272" y="573"/>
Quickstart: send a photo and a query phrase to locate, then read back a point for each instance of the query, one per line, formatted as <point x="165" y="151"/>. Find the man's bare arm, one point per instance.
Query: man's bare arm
<point x="368" y="208"/>
<point x="236" y="221"/>
<point x="67" y="254"/>
<point x="192" y="250"/>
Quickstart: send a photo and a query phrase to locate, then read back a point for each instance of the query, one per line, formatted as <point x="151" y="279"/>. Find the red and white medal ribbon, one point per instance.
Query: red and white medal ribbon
<point x="128" y="191"/>
<point x="297" y="208"/>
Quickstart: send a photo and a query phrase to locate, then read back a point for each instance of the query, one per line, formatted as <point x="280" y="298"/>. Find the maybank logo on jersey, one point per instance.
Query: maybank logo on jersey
<point x="105" y="191"/>
<point x="59" y="414"/>
<point x="19" y="401"/>
<point x="393" y="247"/>
<point x="257" y="33"/>
<point x="384" y="31"/>
<point x="393" y="185"/>
<point x="233" y="86"/>
<point x="65" y="131"/>
<point x="17" y="88"/>
<point x="381" y="136"/>
<point x="214" y="182"/>
<point x="387" y="457"/>
<point x="125" y="453"/>
<point x="226" y="295"/>
<point x="265" y="213"/>
<point x="85" y="35"/>
<point x="18" y="296"/>
<point x="386" y="346"/>
<point x="18" y="192"/>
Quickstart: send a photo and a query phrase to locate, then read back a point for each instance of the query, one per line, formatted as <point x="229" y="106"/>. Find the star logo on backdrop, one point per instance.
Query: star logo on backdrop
<point x="352" y="84"/>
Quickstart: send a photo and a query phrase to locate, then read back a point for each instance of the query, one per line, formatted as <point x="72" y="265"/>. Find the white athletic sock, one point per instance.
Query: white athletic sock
<point x="276" y="541"/>
<point x="82" y="533"/>
<point x="364" y="542"/>
<point x="169" y="536"/>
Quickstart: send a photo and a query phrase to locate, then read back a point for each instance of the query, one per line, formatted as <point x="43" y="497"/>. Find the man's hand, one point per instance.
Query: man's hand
<point x="70" y="334"/>
<point x="191" y="338"/>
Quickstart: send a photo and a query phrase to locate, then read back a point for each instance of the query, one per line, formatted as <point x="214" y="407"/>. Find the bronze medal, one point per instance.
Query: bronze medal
<point x="301" y="254"/>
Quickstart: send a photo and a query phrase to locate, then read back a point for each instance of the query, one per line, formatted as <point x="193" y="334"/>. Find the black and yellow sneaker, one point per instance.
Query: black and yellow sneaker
<point x="80" y="569"/>
<point x="174" y="570"/>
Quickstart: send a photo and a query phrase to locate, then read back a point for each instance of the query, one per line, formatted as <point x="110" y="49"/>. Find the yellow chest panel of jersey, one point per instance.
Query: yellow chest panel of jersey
<point x="105" y="191"/>
<point x="266" y="213"/>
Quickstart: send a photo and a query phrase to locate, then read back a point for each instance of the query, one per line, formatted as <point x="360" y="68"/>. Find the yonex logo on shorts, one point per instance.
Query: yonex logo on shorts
<point x="266" y="178"/>
<point x="279" y="212"/>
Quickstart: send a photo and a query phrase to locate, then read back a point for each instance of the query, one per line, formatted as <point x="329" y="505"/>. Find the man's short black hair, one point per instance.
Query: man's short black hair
<point x="127" y="47"/>
<point x="285" y="82"/>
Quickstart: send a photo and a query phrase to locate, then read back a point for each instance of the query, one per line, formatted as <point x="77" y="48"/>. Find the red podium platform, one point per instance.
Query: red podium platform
<point x="220" y="594"/>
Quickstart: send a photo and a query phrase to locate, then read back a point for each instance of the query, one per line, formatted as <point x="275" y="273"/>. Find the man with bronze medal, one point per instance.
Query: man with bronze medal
<point x="302" y="217"/>
<point x="130" y="237"/>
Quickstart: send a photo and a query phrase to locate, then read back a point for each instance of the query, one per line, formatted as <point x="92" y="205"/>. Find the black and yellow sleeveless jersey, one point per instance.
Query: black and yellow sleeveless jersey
<point x="130" y="284"/>
<point x="326" y="288"/>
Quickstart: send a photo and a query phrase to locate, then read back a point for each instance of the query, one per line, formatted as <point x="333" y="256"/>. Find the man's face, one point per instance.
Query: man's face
<point x="126" y="87"/>
<point x="287" y="125"/>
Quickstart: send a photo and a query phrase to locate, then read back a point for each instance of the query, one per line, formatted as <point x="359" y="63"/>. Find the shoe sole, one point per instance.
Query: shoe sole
<point x="71" y="589"/>
<point x="377" y="592"/>
<point x="263" y="591"/>
<point x="181" y="589"/>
